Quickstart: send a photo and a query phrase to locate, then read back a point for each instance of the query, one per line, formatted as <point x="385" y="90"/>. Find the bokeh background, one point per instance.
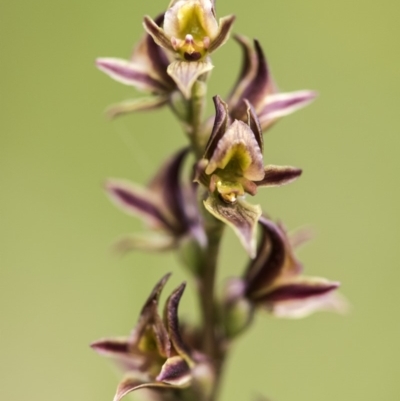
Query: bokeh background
<point x="60" y="288"/>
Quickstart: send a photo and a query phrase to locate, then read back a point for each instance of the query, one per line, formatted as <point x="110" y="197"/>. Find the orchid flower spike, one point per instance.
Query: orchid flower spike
<point x="232" y="166"/>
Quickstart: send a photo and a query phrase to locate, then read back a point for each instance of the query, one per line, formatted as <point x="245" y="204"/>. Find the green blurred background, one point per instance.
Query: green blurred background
<point x="60" y="288"/>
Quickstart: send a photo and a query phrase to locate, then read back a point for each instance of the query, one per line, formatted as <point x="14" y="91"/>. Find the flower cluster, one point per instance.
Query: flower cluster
<point x="186" y="209"/>
<point x="154" y="355"/>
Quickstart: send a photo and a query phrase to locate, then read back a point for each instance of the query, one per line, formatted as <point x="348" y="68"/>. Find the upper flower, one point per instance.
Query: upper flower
<point x="146" y="71"/>
<point x="190" y="29"/>
<point x="166" y="204"/>
<point x="154" y="354"/>
<point x="233" y="165"/>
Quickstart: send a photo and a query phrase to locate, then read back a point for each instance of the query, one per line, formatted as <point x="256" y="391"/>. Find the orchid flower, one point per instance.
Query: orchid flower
<point x="191" y="32"/>
<point x="232" y="165"/>
<point x="273" y="281"/>
<point x="154" y="355"/>
<point x="166" y="205"/>
<point x="146" y="71"/>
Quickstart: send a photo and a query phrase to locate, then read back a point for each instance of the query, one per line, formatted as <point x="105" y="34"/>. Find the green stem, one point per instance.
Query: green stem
<point x="208" y="305"/>
<point x="196" y="112"/>
<point x="212" y="346"/>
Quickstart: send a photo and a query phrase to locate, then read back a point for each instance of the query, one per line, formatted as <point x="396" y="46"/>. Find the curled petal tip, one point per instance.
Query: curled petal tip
<point x="175" y="371"/>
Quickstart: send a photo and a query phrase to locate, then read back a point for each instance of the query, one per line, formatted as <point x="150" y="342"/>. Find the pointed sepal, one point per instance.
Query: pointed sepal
<point x="157" y="33"/>
<point x="221" y="124"/>
<point x="137" y="201"/>
<point x="282" y="104"/>
<point x="276" y="176"/>
<point x="302" y="296"/>
<point x="131" y="74"/>
<point x="172" y="323"/>
<point x="224" y="30"/>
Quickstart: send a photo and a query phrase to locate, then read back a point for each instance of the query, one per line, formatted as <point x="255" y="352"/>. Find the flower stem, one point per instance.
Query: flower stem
<point x="207" y="286"/>
<point x="197" y="106"/>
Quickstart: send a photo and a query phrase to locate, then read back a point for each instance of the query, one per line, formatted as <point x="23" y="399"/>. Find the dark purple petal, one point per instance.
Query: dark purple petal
<point x="274" y="259"/>
<point x="148" y="314"/>
<point x="221" y="123"/>
<point x="257" y="89"/>
<point x="254" y="124"/>
<point x="175" y="371"/>
<point x="120" y="350"/>
<point x="111" y="346"/>
<point x="278" y="175"/>
<point x="298" y="291"/>
<point x="172" y="323"/>
<point x="282" y="104"/>
<point x="249" y="67"/>
<point x="167" y="184"/>
<point x="139" y="202"/>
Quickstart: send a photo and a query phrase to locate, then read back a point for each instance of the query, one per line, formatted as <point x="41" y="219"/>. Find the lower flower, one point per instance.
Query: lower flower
<point x="273" y="281"/>
<point x="154" y="355"/>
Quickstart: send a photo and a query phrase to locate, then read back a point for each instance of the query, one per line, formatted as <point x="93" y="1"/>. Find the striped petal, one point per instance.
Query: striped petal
<point x="278" y="175"/>
<point x="172" y="324"/>
<point x="131" y="74"/>
<point x="282" y="104"/>
<point x="248" y="70"/>
<point x="139" y="202"/>
<point x="221" y="124"/>
<point x="301" y="297"/>
<point x="167" y="186"/>
<point x="175" y="371"/>
<point x="157" y="33"/>
<point x="275" y="259"/>
<point x="258" y="85"/>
